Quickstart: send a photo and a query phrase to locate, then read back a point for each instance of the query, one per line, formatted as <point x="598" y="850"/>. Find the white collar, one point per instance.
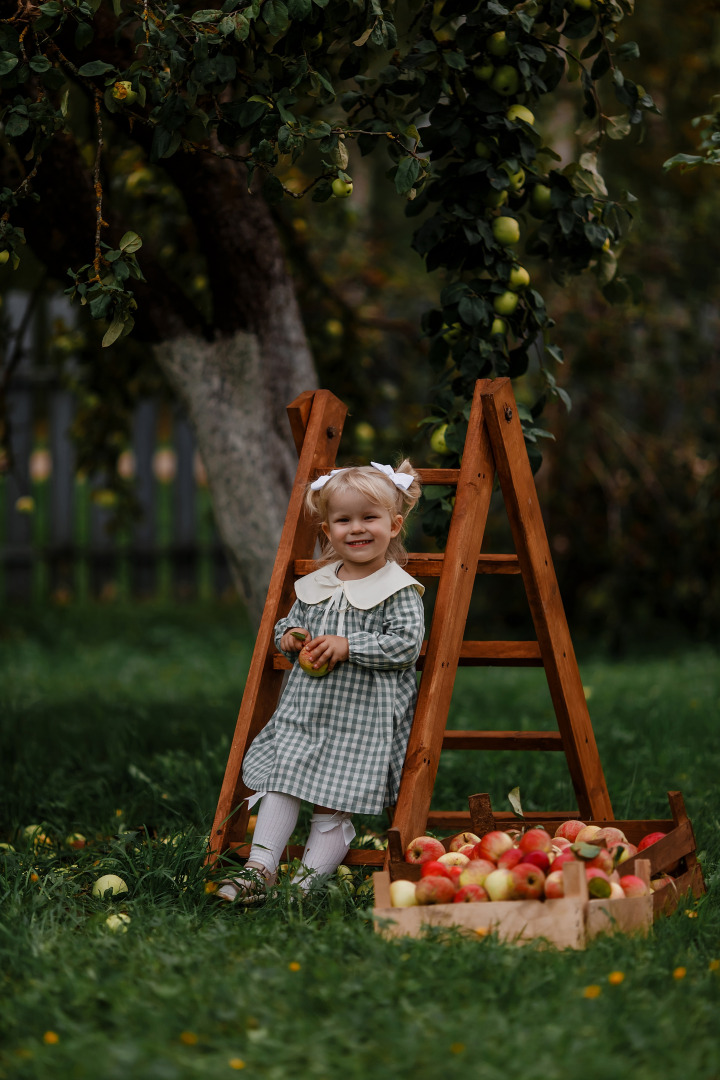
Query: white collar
<point x="363" y="593"/>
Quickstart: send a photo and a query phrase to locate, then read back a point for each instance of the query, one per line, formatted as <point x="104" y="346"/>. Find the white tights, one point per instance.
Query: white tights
<point x="327" y="844"/>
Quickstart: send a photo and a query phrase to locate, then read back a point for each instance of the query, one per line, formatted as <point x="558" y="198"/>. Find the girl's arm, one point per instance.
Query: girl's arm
<point x="398" y="644"/>
<point x="294" y="620"/>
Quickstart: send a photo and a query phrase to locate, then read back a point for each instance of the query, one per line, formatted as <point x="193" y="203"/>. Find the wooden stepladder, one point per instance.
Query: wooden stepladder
<point x="494" y="444"/>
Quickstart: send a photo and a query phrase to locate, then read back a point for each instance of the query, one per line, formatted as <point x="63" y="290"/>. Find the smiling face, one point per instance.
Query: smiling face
<point x="360" y="532"/>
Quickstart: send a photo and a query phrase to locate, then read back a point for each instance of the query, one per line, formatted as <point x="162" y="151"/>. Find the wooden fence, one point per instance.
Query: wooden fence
<point x="54" y="538"/>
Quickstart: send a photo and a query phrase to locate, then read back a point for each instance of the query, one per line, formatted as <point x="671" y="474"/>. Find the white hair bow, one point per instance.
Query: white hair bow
<point x="401" y="480"/>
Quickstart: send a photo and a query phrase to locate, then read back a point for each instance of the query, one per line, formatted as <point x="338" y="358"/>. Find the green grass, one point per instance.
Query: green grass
<point x="116" y="722"/>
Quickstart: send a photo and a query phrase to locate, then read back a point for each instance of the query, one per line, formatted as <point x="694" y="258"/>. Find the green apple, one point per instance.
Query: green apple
<point x="485" y="71"/>
<point x="586" y="5"/>
<point x="437" y="440"/>
<point x="506" y="80"/>
<point x="506" y="230"/>
<point x="499" y="326"/>
<point x="505" y="303"/>
<point x="519" y="278"/>
<point x="5" y="848"/>
<point x="124" y="93"/>
<point x="498" y="44"/>
<point x="541" y="200"/>
<point x="341" y="189"/>
<point x="483" y="149"/>
<point x="118" y="923"/>
<point x="496" y="198"/>
<point x="109" y="883"/>
<point x="517" y="179"/>
<point x="519" y="112"/>
<point x="451" y="333"/>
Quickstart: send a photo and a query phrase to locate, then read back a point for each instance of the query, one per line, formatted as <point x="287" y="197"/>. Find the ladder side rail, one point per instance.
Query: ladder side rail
<point x="531" y="545"/>
<point x="322" y="420"/>
<point x="452" y="602"/>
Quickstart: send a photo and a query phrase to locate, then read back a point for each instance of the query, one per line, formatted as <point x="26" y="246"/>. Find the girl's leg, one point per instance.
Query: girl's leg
<point x="330" y="834"/>
<point x="277" y="817"/>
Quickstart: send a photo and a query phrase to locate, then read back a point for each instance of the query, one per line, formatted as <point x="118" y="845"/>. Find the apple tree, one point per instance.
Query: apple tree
<point x="235" y="110"/>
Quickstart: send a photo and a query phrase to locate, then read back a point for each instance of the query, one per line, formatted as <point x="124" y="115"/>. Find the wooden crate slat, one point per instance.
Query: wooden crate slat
<point x="502" y="740"/>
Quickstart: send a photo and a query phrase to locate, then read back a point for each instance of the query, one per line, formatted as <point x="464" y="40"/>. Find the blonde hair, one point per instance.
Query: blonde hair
<point x="375" y="486"/>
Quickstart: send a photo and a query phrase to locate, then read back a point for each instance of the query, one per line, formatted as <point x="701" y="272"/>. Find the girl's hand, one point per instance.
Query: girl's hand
<point x="328" y="648"/>
<point x="290" y="643"/>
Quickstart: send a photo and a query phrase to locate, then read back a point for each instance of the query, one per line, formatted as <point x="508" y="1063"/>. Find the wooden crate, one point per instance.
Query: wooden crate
<point x="567" y="923"/>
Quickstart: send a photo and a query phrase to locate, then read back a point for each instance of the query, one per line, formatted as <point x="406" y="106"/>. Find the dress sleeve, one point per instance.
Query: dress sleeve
<point x="398" y="643"/>
<point x="295" y="617"/>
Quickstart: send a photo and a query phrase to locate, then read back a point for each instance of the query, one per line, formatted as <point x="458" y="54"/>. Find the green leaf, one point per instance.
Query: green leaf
<point x="114" y="331"/>
<point x="275" y="16"/>
<point x="299" y="9"/>
<point x="40" y="63"/>
<point x="407" y="173"/>
<point x="130" y="242"/>
<point x="207" y="15"/>
<point x="17" y="123"/>
<point x="7" y="62"/>
<point x="95" y="67"/>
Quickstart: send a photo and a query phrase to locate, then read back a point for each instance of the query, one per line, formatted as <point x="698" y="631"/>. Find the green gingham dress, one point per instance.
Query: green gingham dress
<point x="339" y="740"/>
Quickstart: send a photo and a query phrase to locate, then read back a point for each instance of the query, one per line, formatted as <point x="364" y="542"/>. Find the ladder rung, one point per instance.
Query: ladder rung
<point x="472" y="654"/>
<point x="502" y="740"/>
<point x="430" y="565"/>
<point x="354" y="857"/>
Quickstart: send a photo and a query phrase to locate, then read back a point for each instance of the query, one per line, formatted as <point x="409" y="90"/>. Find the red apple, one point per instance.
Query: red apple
<point x="499" y="884"/>
<point x="422" y="849"/>
<point x="467" y="849"/>
<point x="602" y="861"/>
<point x="560" y="842"/>
<point x="568" y="830"/>
<point x="528" y="882"/>
<point x="622" y="852"/>
<point x="611" y="836"/>
<point x="511" y="858"/>
<point x="461" y="839"/>
<point x="470" y="894"/>
<point x="434" y="890"/>
<point x="632" y="885"/>
<point x="651" y="838"/>
<point x="660" y="882"/>
<point x="535" y="840"/>
<point x="564" y="857"/>
<point x="454" y="873"/>
<point x="307" y="664"/>
<point x="586" y="835"/>
<point x="554" y="886"/>
<point x="492" y="845"/>
<point x="541" y="859"/>
<point x="434" y="869"/>
<point x="598" y="883"/>
<point x="476" y="871"/>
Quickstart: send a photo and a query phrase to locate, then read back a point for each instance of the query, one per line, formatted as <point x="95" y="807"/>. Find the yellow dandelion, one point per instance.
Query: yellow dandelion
<point x="691" y="914"/>
<point x="294" y="966"/>
<point x="457" y="1048"/>
<point x="34" y="877"/>
<point x="714" y="965"/>
<point x="679" y="973"/>
<point x="592" y="991"/>
<point x="211" y="886"/>
<point x="482" y="931"/>
<point x="189" y="1038"/>
<point x="118" y="813"/>
<point x="236" y="1063"/>
<point x="51" y="1037"/>
<point x="616" y="977"/>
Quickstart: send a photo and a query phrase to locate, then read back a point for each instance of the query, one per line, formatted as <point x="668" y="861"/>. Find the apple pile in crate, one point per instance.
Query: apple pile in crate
<point x="515" y="865"/>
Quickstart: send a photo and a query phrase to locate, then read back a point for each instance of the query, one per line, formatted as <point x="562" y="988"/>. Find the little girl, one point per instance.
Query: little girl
<point x="339" y="740"/>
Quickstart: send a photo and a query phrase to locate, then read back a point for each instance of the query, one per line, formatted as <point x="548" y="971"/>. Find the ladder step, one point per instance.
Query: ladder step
<point x="354" y="857"/>
<point x="430" y="565"/>
<point x="502" y="740"/>
<point x="472" y="654"/>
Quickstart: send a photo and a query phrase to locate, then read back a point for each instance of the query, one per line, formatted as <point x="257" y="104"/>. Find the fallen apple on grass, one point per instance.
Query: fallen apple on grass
<point x="109" y="883"/>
